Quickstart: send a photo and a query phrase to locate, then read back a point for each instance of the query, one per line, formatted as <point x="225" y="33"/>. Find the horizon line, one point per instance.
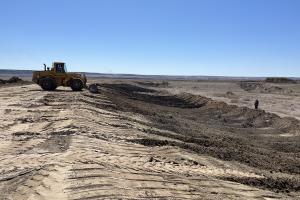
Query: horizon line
<point x="130" y="74"/>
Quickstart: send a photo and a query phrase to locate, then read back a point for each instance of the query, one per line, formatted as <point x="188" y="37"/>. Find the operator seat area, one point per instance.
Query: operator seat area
<point x="60" y="67"/>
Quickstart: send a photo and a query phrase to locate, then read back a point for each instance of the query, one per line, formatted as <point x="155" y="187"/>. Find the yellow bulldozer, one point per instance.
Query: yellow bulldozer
<point x="50" y="79"/>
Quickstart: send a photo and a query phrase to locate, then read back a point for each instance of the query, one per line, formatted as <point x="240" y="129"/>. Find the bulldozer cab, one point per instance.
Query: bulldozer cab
<point x="59" y="67"/>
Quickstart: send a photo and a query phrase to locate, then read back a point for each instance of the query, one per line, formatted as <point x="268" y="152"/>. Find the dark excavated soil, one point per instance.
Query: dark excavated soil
<point x="13" y="81"/>
<point x="153" y="83"/>
<point x="227" y="132"/>
<point x="146" y="95"/>
<point x="277" y="184"/>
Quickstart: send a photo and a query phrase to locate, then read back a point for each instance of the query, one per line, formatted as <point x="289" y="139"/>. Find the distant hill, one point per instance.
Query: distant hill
<point x="28" y="74"/>
<point x="21" y="73"/>
<point x="280" y="80"/>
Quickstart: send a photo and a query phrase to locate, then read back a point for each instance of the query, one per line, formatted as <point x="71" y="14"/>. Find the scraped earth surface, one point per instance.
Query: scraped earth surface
<point x="135" y="142"/>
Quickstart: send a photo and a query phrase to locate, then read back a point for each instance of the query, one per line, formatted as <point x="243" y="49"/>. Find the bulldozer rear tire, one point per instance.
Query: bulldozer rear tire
<point x="48" y="84"/>
<point x="76" y="85"/>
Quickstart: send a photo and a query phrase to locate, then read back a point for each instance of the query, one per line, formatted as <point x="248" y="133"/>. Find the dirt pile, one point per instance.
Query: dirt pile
<point x="13" y="79"/>
<point x="148" y="95"/>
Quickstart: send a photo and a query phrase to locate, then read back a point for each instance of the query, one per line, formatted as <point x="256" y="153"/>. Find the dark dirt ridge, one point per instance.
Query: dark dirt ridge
<point x="13" y="81"/>
<point x="277" y="184"/>
<point x="153" y="83"/>
<point x="208" y="127"/>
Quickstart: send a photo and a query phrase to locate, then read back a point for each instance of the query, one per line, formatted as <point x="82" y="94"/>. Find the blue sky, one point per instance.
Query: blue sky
<point x="173" y="37"/>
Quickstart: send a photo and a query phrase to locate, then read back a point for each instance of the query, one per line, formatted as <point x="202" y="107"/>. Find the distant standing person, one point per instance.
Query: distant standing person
<point x="256" y="104"/>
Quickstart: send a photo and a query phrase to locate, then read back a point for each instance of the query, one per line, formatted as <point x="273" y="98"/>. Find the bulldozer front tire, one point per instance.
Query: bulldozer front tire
<point x="48" y="84"/>
<point x="76" y="85"/>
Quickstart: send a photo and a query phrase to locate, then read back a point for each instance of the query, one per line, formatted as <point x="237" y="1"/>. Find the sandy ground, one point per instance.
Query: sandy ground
<point x="77" y="145"/>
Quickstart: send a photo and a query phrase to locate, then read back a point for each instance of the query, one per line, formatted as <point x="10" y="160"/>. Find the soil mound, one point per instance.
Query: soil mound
<point x="149" y="96"/>
<point x="13" y="79"/>
<point x="126" y="88"/>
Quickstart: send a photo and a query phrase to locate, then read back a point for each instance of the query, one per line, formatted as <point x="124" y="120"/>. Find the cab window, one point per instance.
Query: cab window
<point x="60" y="68"/>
